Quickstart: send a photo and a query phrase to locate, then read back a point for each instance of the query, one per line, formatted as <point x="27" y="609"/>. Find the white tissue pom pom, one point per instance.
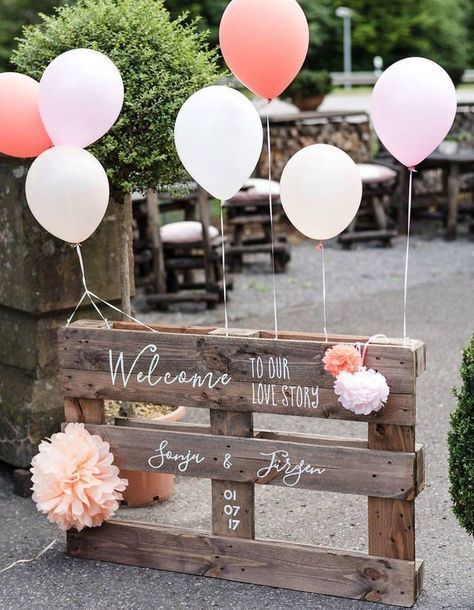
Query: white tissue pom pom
<point x="363" y="392"/>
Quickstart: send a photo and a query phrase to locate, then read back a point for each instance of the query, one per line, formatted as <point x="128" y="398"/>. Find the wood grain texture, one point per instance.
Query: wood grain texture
<point x="84" y="410"/>
<point x="279" y="564"/>
<point x="399" y="408"/>
<point x="276" y="435"/>
<point x="388" y="467"/>
<point x="88" y="349"/>
<point x="391" y="523"/>
<point x="233" y="503"/>
<point x="85" y="362"/>
<point x="346" y="469"/>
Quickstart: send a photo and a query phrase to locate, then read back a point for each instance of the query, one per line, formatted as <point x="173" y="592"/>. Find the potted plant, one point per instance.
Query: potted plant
<point x="309" y="88"/>
<point x="145" y="488"/>
<point x="461" y="445"/>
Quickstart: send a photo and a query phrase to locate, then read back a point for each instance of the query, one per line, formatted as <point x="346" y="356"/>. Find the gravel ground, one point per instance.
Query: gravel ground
<point x="364" y="296"/>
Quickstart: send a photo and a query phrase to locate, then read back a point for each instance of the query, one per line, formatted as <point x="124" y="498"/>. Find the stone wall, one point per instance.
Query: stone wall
<point x="39" y="285"/>
<point x="348" y="131"/>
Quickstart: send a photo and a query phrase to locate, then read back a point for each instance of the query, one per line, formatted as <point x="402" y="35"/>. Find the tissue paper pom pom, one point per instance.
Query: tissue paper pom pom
<point x="363" y="392"/>
<point x="74" y="481"/>
<point x="342" y="357"/>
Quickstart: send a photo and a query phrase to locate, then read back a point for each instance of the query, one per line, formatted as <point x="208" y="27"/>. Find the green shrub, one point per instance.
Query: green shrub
<point x="461" y="445"/>
<point x="162" y="63"/>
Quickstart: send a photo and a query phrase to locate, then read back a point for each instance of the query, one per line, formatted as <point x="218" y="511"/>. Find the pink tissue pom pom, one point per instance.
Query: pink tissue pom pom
<point x="74" y="480"/>
<point x="362" y="392"/>
<point x="342" y="357"/>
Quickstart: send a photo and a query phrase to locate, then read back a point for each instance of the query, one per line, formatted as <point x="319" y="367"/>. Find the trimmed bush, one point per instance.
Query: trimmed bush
<point x="461" y="445"/>
<point x="162" y="63"/>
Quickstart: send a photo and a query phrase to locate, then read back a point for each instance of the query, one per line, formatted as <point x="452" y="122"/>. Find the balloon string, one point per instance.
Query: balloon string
<point x="272" y="233"/>
<point x="321" y="247"/>
<point x="90" y="295"/>
<point x="407" y="252"/>
<point x="362" y="347"/>
<point x="20" y="561"/>
<point x="224" y="281"/>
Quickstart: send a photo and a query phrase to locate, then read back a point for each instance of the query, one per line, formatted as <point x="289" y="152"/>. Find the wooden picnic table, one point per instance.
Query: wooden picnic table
<point x="453" y="166"/>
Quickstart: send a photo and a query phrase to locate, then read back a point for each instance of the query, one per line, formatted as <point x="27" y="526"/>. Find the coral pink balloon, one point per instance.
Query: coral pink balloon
<point x="264" y="43"/>
<point x="81" y="95"/>
<point x="413" y="107"/>
<point x="22" y="133"/>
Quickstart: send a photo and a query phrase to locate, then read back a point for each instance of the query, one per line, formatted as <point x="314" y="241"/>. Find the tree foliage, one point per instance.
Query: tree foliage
<point x="461" y="445"/>
<point x="436" y="29"/>
<point x="162" y="62"/>
<point x="14" y="14"/>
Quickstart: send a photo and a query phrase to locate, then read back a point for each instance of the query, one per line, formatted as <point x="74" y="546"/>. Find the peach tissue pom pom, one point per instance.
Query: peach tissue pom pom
<point x="363" y="392"/>
<point x="342" y="357"/>
<point x="74" y="480"/>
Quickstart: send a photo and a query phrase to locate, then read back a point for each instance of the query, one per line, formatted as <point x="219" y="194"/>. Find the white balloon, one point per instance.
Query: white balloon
<point x="320" y="190"/>
<point x="218" y="135"/>
<point x="67" y="191"/>
<point x="80" y="97"/>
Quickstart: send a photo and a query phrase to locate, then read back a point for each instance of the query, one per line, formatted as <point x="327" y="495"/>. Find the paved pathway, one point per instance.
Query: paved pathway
<point x="364" y="295"/>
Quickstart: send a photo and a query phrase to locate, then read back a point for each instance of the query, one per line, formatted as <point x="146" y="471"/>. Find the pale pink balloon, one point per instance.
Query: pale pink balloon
<point x="413" y="107"/>
<point x="81" y="95"/>
<point x="264" y="43"/>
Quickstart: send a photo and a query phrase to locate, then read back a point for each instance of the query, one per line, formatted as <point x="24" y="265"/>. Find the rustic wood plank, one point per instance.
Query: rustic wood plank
<point x="292" y="437"/>
<point x="279" y="564"/>
<point x="391" y="523"/>
<point x="233" y="503"/>
<point x="399" y="408"/>
<point x="221" y="372"/>
<point x="285" y="363"/>
<point x="159" y="328"/>
<point x="420" y="467"/>
<point x="415" y="345"/>
<point x="420" y="576"/>
<point x="265" y="462"/>
<point x="84" y="410"/>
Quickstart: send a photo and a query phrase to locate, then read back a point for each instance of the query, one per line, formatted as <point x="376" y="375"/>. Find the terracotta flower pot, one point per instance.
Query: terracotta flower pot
<point x="145" y="488"/>
<point x="308" y="104"/>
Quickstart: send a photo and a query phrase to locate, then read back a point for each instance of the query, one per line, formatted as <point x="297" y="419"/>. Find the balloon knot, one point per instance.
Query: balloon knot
<point x="412" y="168"/>
<point x="319" y="246"/>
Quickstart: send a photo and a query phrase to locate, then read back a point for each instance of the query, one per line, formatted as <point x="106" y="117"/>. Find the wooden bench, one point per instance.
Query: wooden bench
<point x="167" y="270"/>
<point x="372" y="222"/>
<point x="250" y="210"/>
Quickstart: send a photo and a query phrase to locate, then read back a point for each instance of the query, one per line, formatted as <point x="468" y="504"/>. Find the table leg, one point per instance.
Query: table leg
<point x="453" y="201"/>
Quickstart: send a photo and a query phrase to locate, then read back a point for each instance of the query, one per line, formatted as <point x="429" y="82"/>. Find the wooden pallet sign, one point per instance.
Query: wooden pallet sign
<point x="235" y="376"/>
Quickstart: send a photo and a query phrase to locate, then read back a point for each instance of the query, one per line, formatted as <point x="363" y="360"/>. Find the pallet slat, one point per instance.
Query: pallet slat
<point x="87" y="349"/>
<point x="254" y="460"/>
<point x="277" y="435"/>
<point x="233" y="503"/>
<point x="279" y="564"/>
<point x="400" y="408"/>
<point x="391" y="523"/>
